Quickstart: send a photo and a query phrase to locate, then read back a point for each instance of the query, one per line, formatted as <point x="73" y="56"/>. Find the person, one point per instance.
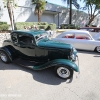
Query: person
<point x="36" y="28"/>
<point x="29" y="27"/>
<point x="25" y="27"/>
<point x="33" y="27"/>
<point x="50" y="32"/>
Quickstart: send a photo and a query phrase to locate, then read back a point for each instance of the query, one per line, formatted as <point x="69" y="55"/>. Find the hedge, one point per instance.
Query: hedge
<point x="41" y="25"/>
<point x="3" y="23"/>
<point x="4" y="27"/>
<point x="68" y="26"/>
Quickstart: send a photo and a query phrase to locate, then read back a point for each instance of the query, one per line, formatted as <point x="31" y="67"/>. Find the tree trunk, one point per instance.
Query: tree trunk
<point x="91" y="19"/>
<point x="38" y="16"/>
<point x="10" y="13"/>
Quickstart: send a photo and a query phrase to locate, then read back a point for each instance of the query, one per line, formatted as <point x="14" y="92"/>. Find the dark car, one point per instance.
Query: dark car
<point x="33" y="49"/>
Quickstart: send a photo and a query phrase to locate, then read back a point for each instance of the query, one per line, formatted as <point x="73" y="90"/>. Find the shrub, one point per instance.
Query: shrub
<point x="68" y="26"/>
<point x="4" y="27"/>
<point x="44" y="25"/>
<point x="52" y="26"/>
<point x="3" y="23"/>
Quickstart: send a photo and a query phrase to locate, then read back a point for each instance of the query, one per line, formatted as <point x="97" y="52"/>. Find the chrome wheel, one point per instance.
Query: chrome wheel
<point x="98" y="49"/>
<point x="63" y="72"/>
<point x="3" y="57"/>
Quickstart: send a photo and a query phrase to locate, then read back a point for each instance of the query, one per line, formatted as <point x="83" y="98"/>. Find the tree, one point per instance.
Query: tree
<point x="70" y="2"/>
<point x="10" y="4"/>
<point x="39" y="8"/>
<point x="93" y="7"/>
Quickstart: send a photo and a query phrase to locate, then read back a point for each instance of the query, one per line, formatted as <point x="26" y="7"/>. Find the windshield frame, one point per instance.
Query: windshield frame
<point x="41" y="36"/>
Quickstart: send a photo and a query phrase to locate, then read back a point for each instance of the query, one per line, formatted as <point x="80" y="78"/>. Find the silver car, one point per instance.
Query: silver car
<point x="80" y="39"/>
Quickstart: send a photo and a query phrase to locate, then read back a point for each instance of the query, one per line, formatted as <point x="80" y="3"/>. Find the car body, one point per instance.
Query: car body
<point x="33" y="49"/>
<point x="80" y="39"/>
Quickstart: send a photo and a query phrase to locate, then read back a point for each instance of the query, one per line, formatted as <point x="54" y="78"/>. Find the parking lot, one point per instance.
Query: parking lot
<point x="20" y="83"/>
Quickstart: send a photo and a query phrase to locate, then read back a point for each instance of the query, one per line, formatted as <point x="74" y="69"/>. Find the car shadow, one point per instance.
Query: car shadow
<point x="46" y="76"/>
<point x="88" y="52"/>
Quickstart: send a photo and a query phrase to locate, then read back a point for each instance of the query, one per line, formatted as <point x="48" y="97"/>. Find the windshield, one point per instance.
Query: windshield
<point x="41" y="36"/>
<point x="96" y="36"/>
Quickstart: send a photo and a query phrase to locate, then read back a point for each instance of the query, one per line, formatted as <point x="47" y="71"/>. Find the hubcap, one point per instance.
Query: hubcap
<point x="63" y="72"/>
<point x="98" y="49"/>
<point x="3" y="57"/>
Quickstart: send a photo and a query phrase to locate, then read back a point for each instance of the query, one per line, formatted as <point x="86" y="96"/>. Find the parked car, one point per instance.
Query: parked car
<point x="80" y="39"/>
<point x="34" y="50"/>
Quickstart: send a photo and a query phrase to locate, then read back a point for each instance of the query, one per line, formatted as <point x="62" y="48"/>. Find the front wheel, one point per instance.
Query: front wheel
<point x="64" y="72"/>
<point x="4" y="57"/>
<point x="98" y="49"/>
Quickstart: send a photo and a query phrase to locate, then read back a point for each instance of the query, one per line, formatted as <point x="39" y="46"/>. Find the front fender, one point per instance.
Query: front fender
<point x="56" y="62"/>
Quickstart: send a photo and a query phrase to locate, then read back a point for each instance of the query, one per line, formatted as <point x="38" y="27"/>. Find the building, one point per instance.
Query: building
<point x="52" y="14"/>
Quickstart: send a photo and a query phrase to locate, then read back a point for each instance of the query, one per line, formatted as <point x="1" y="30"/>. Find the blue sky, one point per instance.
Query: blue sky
<point x="60" y="2"/>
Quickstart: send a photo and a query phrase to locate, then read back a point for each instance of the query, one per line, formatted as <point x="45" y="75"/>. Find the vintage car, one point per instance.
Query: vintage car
<point x="80" y="39"/>
<point x="33" y="49"/>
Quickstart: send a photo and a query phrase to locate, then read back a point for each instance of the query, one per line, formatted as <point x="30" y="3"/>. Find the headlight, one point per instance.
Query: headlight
<point x="73" y="57"/>
<point x="74" y="50"/>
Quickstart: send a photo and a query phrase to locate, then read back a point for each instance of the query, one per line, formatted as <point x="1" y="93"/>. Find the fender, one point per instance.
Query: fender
<point x="9" y="52"/>
<point x="56" y="62"/>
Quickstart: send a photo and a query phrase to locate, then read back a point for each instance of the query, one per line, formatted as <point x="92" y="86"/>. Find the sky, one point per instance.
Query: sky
<point x="60" y="2"/>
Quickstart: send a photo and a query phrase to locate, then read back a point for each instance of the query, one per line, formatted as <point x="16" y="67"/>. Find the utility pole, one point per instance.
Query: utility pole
<point x="70" y="11"/>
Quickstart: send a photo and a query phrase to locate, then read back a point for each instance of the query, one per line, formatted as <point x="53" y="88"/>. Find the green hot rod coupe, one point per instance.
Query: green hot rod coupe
<point x="33" y="49"/>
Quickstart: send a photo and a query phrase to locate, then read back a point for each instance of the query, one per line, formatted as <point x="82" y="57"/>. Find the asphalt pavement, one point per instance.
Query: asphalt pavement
<point x="20" y="83"/>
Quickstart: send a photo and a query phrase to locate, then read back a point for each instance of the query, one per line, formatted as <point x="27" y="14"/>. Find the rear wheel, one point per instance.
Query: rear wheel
<point x="98" y="49"/>
<point x="64" y="72"/>
<point x="4" y="57"/>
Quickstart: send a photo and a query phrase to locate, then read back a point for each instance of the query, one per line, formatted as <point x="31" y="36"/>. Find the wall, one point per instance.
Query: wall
<point x="25" y="13"/>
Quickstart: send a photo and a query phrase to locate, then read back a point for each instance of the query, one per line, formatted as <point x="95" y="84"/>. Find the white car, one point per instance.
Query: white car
<point x="80" y="39"/>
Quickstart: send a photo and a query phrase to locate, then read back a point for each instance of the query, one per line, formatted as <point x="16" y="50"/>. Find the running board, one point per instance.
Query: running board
<point x="26" y="63"/>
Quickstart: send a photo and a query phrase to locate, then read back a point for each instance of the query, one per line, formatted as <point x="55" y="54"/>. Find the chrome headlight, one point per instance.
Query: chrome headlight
<point x="73" y="57"/>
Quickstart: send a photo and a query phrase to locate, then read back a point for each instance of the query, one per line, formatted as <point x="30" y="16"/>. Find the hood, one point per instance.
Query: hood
<point x="53" y="44"/>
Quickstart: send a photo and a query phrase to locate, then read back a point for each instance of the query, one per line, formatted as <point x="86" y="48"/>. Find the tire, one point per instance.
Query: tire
<point x="64" y="72"/>
<point x="4" y="57"/>
<point x="98" y="49"/>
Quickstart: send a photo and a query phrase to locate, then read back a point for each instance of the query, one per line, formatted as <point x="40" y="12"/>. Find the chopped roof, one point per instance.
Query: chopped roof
<point x="76" y="31"/>
<point x="31" y="32"/>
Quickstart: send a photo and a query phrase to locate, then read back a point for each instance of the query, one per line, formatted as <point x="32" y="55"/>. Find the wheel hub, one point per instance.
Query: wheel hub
<point x="98" y="49"/>
<point x="63" y="72"/>
<point x="3" y="57"/>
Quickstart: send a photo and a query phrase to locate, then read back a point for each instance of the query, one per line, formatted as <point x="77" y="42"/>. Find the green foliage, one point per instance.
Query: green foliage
<point x="68" y="26"/>
<point x="52" y="26"/>
<point x="13" y="2"/>
<point x="4" y="27"/>
<point x="3" y="23"/>
<point x="41" y="25"/>
<point x="39" y="8"/>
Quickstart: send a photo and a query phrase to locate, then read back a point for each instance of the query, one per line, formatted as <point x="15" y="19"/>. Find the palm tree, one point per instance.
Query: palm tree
<point x="10" y="4"/>
<point x="40" y="7"/>
<point x="70" y="2"/>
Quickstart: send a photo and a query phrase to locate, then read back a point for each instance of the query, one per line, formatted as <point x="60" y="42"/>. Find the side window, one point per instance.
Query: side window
<point x="69" y="36"/>
<point x="82" y="37"/>
<point x="14" y="38"/>
<point x="25" y="39"/>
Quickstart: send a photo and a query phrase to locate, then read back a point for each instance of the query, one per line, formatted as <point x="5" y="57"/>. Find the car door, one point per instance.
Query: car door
<point x="26" y="46"/>
<point x="83" y="42"/>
